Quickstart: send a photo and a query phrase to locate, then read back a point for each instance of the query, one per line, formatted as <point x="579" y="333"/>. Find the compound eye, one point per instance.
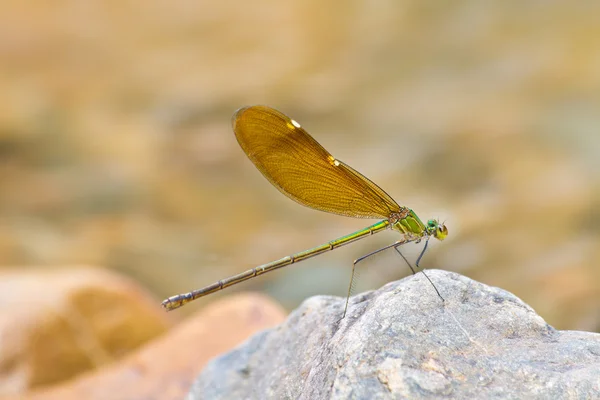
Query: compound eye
<point x="431" y="224"/>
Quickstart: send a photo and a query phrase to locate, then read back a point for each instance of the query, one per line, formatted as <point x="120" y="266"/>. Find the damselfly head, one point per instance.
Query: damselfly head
<point x="436" y="229"/>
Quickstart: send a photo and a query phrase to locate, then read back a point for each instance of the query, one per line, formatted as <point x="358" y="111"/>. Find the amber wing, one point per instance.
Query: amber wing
<point x="303" y="170"/>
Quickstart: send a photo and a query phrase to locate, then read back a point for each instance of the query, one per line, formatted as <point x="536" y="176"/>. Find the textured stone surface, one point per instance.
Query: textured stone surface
<point x="401" y="341"/>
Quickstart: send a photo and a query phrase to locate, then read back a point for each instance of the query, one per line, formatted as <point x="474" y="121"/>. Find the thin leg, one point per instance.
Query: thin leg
<point x="423" y="269"/>
<point x="422" y="252"/>
<point x="407" y="263"/>
<point x="395" y="245"/>
<point x="349" y="289"/>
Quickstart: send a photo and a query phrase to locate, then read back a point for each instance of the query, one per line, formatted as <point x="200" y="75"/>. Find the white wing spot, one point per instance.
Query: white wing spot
<point x="336" y="163"/>
<point x="297" y="125"/>
<point x="333" y="161"/>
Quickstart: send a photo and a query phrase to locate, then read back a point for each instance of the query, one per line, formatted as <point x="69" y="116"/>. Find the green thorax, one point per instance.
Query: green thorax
<point x="410" y="225"/>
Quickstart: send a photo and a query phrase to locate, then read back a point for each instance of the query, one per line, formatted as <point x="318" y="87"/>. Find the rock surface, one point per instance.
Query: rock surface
<point x="58" y="323"/>
<point x="165" y="368"/>
<point x="402" y="341"/>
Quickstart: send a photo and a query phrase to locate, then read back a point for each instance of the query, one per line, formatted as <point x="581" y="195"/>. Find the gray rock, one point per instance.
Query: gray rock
<point x="402" y="341"/>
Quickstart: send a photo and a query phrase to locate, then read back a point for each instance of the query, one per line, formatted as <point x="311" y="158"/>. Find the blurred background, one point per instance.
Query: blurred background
<point x="116" y="147"/>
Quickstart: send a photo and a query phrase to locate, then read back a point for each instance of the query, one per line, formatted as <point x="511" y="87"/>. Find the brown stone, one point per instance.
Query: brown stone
<point x="166" y="368"/>
<point x="55" y="324"/>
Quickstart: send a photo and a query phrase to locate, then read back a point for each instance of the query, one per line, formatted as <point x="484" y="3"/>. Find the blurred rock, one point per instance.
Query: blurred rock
<point x="166" y="368"/>
<point x="402" y="342"/>
<point x="55" y="324"/>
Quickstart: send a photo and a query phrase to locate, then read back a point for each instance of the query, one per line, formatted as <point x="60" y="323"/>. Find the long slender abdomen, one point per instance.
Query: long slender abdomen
<point x="179" y="300"/>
